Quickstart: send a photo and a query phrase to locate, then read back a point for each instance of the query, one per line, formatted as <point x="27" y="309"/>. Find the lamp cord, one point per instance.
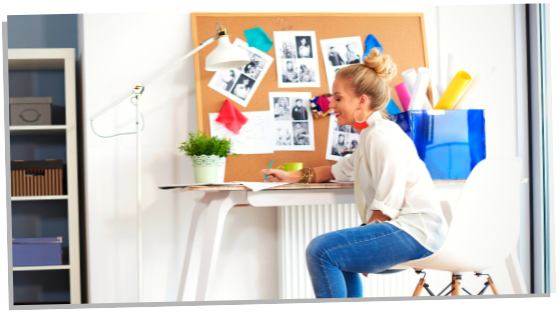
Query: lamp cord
<point x="119" y="134"/>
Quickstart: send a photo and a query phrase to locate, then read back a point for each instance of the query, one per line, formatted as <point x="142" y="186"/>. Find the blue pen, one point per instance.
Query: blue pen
<point x="269" y="167"/>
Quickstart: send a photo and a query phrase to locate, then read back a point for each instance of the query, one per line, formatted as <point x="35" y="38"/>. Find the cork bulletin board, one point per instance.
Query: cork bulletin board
<point x="402" y="36"/>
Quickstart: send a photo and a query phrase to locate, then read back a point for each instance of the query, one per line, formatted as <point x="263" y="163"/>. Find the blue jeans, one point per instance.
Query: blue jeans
<point x="336" y="259"/>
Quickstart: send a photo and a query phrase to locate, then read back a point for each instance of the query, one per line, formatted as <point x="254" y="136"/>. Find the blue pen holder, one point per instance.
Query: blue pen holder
<point x="450" y="142"/>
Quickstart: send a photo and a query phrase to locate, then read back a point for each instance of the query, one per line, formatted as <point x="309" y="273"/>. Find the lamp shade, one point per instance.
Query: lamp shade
<point x="226" y="56"/>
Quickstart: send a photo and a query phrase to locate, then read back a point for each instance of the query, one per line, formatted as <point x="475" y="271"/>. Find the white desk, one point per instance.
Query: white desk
<point x="204" y="238"/>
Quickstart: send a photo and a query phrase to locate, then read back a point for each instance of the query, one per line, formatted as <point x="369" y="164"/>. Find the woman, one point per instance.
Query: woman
<point x="304" y="49"/>
<point x="340" y="145"/>
<point x="306" y="74"/>
<point x="227" y="80"/>
<point x="395" y="195"/>
<point x="334" y="57"/>
<point x="280" y="107"/>
<point x="250" y="69"/>
<point x="351" y="56"/>
<point x="243" y="89"/>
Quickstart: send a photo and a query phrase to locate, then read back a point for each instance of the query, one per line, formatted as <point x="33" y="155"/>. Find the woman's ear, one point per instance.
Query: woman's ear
<point x="363" y="101"/>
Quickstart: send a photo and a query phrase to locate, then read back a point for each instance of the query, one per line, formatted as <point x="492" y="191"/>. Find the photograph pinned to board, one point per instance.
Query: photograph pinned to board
<point x="240" y="84"/>
<point x="255" y="137"/>
<point x="293" y="122"/>
<point x="297" y="59"/>
<point x="339" y="53"/>
<point x="340" y="138"/>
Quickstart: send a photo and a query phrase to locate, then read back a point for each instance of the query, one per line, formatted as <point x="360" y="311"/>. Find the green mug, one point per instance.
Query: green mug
<point x="288" y="167"/>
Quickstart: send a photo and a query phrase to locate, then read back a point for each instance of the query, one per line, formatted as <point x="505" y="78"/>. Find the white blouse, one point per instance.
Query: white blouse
<point x="392" y="178"/>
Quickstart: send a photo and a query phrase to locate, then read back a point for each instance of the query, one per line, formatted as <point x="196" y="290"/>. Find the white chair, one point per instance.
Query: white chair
<point x="485" y="225"/>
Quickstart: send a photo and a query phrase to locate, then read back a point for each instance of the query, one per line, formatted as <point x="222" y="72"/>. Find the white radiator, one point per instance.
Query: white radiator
<point x="298" y="225"/>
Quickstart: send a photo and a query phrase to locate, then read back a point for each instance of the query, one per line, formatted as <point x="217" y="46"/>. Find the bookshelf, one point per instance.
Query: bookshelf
<point x="41" y="142"/>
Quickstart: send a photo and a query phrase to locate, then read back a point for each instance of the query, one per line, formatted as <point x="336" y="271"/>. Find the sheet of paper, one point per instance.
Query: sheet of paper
<point x="256" y="186"/>
<point x="341" y="181"/>
<point x="297" y="59"/>
<point x="293" y="121"/>
<point x="340" y="138"/>
<point x="255" y="137"/>
<point x="240" y="84"/>
<point x="200" y="184"/>
<point x="340" y="52"/>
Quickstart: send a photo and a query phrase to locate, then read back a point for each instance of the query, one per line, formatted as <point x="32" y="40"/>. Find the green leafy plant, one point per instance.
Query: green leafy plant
<point x="200" y="144"/>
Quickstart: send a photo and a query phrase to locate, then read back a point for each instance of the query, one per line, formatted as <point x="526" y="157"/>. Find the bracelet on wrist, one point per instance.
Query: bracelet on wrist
<point x="307" y="176"/>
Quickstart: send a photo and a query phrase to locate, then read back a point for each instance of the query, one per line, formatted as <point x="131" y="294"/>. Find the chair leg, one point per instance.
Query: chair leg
<point x="493" y="286"/>
<point x="488" y="283"/>
<point x="419" y="287"/>
<point x="456" y="286"/>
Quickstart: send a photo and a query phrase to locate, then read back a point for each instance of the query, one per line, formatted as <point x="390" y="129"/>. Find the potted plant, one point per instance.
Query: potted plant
<point x="208" y="155"/>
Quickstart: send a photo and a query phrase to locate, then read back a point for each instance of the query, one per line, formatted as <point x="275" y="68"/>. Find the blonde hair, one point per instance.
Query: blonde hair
<point x="371" y="78"/>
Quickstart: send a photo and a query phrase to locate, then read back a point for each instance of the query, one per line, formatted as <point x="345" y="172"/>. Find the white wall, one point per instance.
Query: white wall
<point x="122" y="49"/>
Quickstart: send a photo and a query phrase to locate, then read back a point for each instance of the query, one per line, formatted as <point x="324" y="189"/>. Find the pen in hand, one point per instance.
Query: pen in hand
<point x="269" y="167"/>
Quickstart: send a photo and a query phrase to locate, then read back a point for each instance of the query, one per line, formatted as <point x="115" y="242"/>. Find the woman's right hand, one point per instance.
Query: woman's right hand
<point x="276" y="175"/>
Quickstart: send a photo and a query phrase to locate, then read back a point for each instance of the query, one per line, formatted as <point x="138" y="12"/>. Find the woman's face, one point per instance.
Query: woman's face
<point x="303" y="41"/>
<point x="282" y="102"/>
<point x="344" y="103"/>
<point x="245" y="81"/>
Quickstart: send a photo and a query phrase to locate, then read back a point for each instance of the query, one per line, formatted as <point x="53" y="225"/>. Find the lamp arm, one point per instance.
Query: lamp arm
<point x="204" y="44"/>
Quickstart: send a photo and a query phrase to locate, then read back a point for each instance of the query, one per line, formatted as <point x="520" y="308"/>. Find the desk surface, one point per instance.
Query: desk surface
<point x="301" y="186"/>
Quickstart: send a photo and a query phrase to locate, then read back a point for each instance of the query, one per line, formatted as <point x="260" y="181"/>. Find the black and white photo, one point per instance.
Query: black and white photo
<point x="306" y="72"/>
<point x="293" y="121"/>
<point x="352" y="54"/>
<point x="227" y="79"/>
<point x="288" y="49"/>
<point x="289" y="72"/>
<point x="339" y="53"/>
<point x="243" y="86"/>
<point x="298" y="64"/>
<point x="301" y="132"/>
<point x="341" y="140"/>
<point x="298" y="111"/>
<point x="282" y="109"/>
<point x="334" y="57"/>
<point x="304" y="49"/>
<point x="284" y="133"/>
<point x="240" y="84"/>
<point x="340" y="143"/>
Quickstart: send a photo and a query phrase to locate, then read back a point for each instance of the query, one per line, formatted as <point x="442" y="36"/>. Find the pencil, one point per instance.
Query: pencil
<point x="269" y="167"/>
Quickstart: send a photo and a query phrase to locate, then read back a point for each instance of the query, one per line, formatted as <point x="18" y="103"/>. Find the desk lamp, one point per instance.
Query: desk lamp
<point x="224" y="57"/>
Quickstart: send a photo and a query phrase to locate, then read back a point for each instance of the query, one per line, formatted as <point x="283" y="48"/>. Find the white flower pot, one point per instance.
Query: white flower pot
<point x="205" y="168"/>
<point x="221" y="170"/>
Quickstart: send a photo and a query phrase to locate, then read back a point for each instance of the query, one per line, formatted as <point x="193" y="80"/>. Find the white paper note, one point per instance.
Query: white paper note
<point x="255" y="137"/>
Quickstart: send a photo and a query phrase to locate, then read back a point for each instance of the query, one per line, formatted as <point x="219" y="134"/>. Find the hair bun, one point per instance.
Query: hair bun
<point x="382" y="64"/>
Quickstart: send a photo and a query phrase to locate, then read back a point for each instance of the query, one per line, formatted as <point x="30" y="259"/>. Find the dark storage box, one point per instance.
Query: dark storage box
<point x="37" y="178"/>
<point x="37" y="251"/>
<point x="450" y="142"/>
<point x="30" y="111"/>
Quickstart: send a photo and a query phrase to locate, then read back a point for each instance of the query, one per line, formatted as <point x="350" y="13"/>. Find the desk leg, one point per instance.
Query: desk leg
<point x="514" y="270"/>
<point x="215" y="218"/>
<point x="190" y="264"/>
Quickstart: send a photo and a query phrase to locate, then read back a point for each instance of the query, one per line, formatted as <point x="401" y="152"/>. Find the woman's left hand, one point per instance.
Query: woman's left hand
<point x="378" y="215"/>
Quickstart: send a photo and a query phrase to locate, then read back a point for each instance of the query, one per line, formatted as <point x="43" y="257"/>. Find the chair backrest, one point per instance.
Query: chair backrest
<point x="486" y="219"/>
